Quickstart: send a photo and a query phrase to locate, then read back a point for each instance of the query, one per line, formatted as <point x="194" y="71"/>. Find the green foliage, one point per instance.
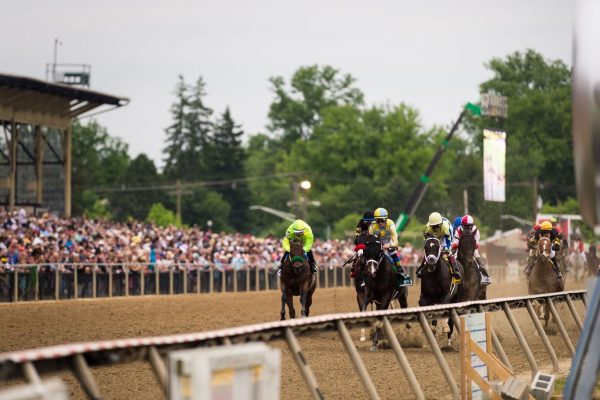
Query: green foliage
<point x="99" y="210"/>
<point x="98" y="160"/>
<point x="539" y="141"/>
<point x="346" y="226"/>
<point x="296" y="111"/>
<point x="161" y="216"/>
<point x="204" y="205"/>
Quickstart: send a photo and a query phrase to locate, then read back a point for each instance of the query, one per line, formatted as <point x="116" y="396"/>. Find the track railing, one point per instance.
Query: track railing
<point x="78" y="357"/>
<point x="75" y="281"/>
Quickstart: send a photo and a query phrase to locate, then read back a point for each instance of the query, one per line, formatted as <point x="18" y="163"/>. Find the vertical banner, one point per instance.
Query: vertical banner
<point x="494" y="154"/>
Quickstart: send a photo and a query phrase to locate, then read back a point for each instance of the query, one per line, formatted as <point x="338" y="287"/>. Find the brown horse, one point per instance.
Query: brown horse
<point x="542" y="278"/>
<point x="296" y="280"/>
<point x="472" y="287"/>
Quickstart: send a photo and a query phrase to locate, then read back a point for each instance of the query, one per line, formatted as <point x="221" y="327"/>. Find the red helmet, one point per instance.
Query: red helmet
<point x="467" y="220"/>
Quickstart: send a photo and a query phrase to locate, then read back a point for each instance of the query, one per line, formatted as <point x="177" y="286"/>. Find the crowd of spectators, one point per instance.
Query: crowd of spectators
<point x="52" y="242"/>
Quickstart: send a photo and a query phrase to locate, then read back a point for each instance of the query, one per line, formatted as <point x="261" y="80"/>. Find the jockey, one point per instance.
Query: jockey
<point x="385" y="229"/>
<point x="545" y="230"/>
<point x="299" y="230"/>
<point x="363" y="225"/>
<point x="362" y="228"/>
<point x="467" y="225"/>
<point x="441" y="228"/>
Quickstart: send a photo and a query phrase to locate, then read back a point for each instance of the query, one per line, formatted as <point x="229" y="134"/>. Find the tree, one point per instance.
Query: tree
<point x="98" y="160"/>
<point x="188" y="135"/>
<point x="538" y="130"/>
<point x="140" y="173"/>
<point x="294" y="113"/>
<point x="204" y="205"/>
<point x="227" y="162"/>
<point x="161" y="216"/>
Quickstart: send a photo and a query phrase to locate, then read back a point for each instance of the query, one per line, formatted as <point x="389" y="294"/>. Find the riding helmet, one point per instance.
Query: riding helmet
<point x="368" y="216"/>
<point x="546" y="226"/>
<point x="380" y="213"/>
<point x="298" y="226"/>
<point x="467" y="220"/>
<point x="435" y="218"/>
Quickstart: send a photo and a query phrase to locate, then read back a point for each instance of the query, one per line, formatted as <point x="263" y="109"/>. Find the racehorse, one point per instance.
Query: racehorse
<point x="592" y="260"/>
<point x="380" y="282"/>
<point x="436" y="280"/>
<point x="296" y="280"/>
<point x="542" y="278"/>
<point x="472" y="287"/>
<point x="577" y="263"/>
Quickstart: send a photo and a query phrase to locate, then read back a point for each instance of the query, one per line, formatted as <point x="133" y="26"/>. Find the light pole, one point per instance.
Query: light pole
<point x="57" y="42"/>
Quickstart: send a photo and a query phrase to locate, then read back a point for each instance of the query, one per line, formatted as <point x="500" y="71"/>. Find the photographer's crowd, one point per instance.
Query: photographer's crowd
<point x="52" y="243"/>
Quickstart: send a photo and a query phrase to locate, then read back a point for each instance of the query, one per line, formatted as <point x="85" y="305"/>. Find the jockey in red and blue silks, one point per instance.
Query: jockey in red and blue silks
<point x="467" y="225"/>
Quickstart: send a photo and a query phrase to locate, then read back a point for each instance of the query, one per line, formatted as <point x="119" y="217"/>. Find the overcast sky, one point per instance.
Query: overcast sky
<point x="429" y="54"/>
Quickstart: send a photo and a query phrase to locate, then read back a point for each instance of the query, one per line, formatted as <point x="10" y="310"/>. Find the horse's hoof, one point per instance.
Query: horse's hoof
<point x="373" y="349"/>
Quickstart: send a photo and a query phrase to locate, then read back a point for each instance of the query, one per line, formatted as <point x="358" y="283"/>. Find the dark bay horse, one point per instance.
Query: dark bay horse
<point x="296" y="280"/>
<point x="436" y="280"/>
<point x="380" y="282"/>
<point x="542" y="278"/>
<point x="472" y="287"/>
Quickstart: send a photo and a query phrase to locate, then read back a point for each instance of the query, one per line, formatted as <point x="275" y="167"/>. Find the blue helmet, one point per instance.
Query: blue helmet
<point x="456" y="223"/>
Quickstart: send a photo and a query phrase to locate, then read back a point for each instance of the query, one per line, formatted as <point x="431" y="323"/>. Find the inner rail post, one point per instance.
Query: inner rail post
<point x="439" y="356"/>
<point x="561" y="327"/>
<point x="542" y="334"/>
<point x="574" y="312"/>
<point x="359" y="366"/>
<point x="31" y="374"/>
<point x="160" y="370"/>
<point x="305" y="369"/>
<point x="404" y="364"/>
<point x="521" y="339"/>
<point x="84" y="376"/>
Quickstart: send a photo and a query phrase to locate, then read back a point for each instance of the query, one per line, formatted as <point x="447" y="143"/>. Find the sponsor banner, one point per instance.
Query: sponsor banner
<point x="494" y="155"/>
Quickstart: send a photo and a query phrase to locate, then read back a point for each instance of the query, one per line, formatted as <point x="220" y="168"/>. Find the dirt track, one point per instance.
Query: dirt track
<point x="34" y="325"/>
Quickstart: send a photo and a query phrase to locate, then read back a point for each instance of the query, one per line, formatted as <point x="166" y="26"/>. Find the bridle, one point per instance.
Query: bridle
<point x="432" y="259"/>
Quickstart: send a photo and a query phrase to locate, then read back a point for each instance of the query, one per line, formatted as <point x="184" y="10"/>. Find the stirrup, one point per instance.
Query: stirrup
<point x="406" y="281"/>
<point x="362" y="284"/>
<point x="486" y="280"/>
<point x="456" y="280"/>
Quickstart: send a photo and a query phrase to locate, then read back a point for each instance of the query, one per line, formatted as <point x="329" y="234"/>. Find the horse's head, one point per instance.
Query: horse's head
<point x="544" y="247"/>
<point x="297" y="258"/>
<point x="372" y="255"/>
<point x="432" y="250"/>
<point x="467" y="244"/>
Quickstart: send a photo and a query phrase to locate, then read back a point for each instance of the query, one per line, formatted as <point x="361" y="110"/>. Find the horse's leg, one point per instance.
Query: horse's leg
<point x="450" y="330"/>
<point x="290" y="304"/>
<point x="303" y="303"/>
<point x="283" y="301"/>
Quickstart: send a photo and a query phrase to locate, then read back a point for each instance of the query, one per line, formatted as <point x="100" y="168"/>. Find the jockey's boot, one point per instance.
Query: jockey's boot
<point x="456" y="277"/>
<point x="485" y="276"/>
<point x="530" y="261"/>
<point x="402" y="278"/>
<point x="556" y="267"/>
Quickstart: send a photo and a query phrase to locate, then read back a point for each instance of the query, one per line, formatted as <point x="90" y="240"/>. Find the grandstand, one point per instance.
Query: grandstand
<point x="35" y="150"/>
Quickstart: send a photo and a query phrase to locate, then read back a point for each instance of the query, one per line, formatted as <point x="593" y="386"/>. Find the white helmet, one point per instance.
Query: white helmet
<point x="435" y="218"/>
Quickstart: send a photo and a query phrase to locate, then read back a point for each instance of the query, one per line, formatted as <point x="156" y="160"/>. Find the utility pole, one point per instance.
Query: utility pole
<point x="178" y="194"/>
<point x="56" y="44"/>
<point x="466" y="201"/>
<point x="535" y="197"/>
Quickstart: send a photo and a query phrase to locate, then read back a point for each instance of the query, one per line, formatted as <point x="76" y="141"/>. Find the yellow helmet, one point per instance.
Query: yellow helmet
<point x="299" y="226"/>
<point x="435" y="218"/>
<point x="381" y="213"/>
<point x="546" y="226"/>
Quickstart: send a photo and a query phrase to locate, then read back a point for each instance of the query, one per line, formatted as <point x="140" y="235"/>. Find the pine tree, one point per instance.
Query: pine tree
<point x="175" y="132"/>
<point x="227" y="162"/>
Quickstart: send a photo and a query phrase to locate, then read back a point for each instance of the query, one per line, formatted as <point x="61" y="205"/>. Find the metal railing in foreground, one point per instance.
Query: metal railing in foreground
<point x="78" y="357"/>
<point x="75" y="281"/>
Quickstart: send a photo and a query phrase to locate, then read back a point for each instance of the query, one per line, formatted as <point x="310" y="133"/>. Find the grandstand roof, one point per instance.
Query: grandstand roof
<point x="36" y="102"/>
